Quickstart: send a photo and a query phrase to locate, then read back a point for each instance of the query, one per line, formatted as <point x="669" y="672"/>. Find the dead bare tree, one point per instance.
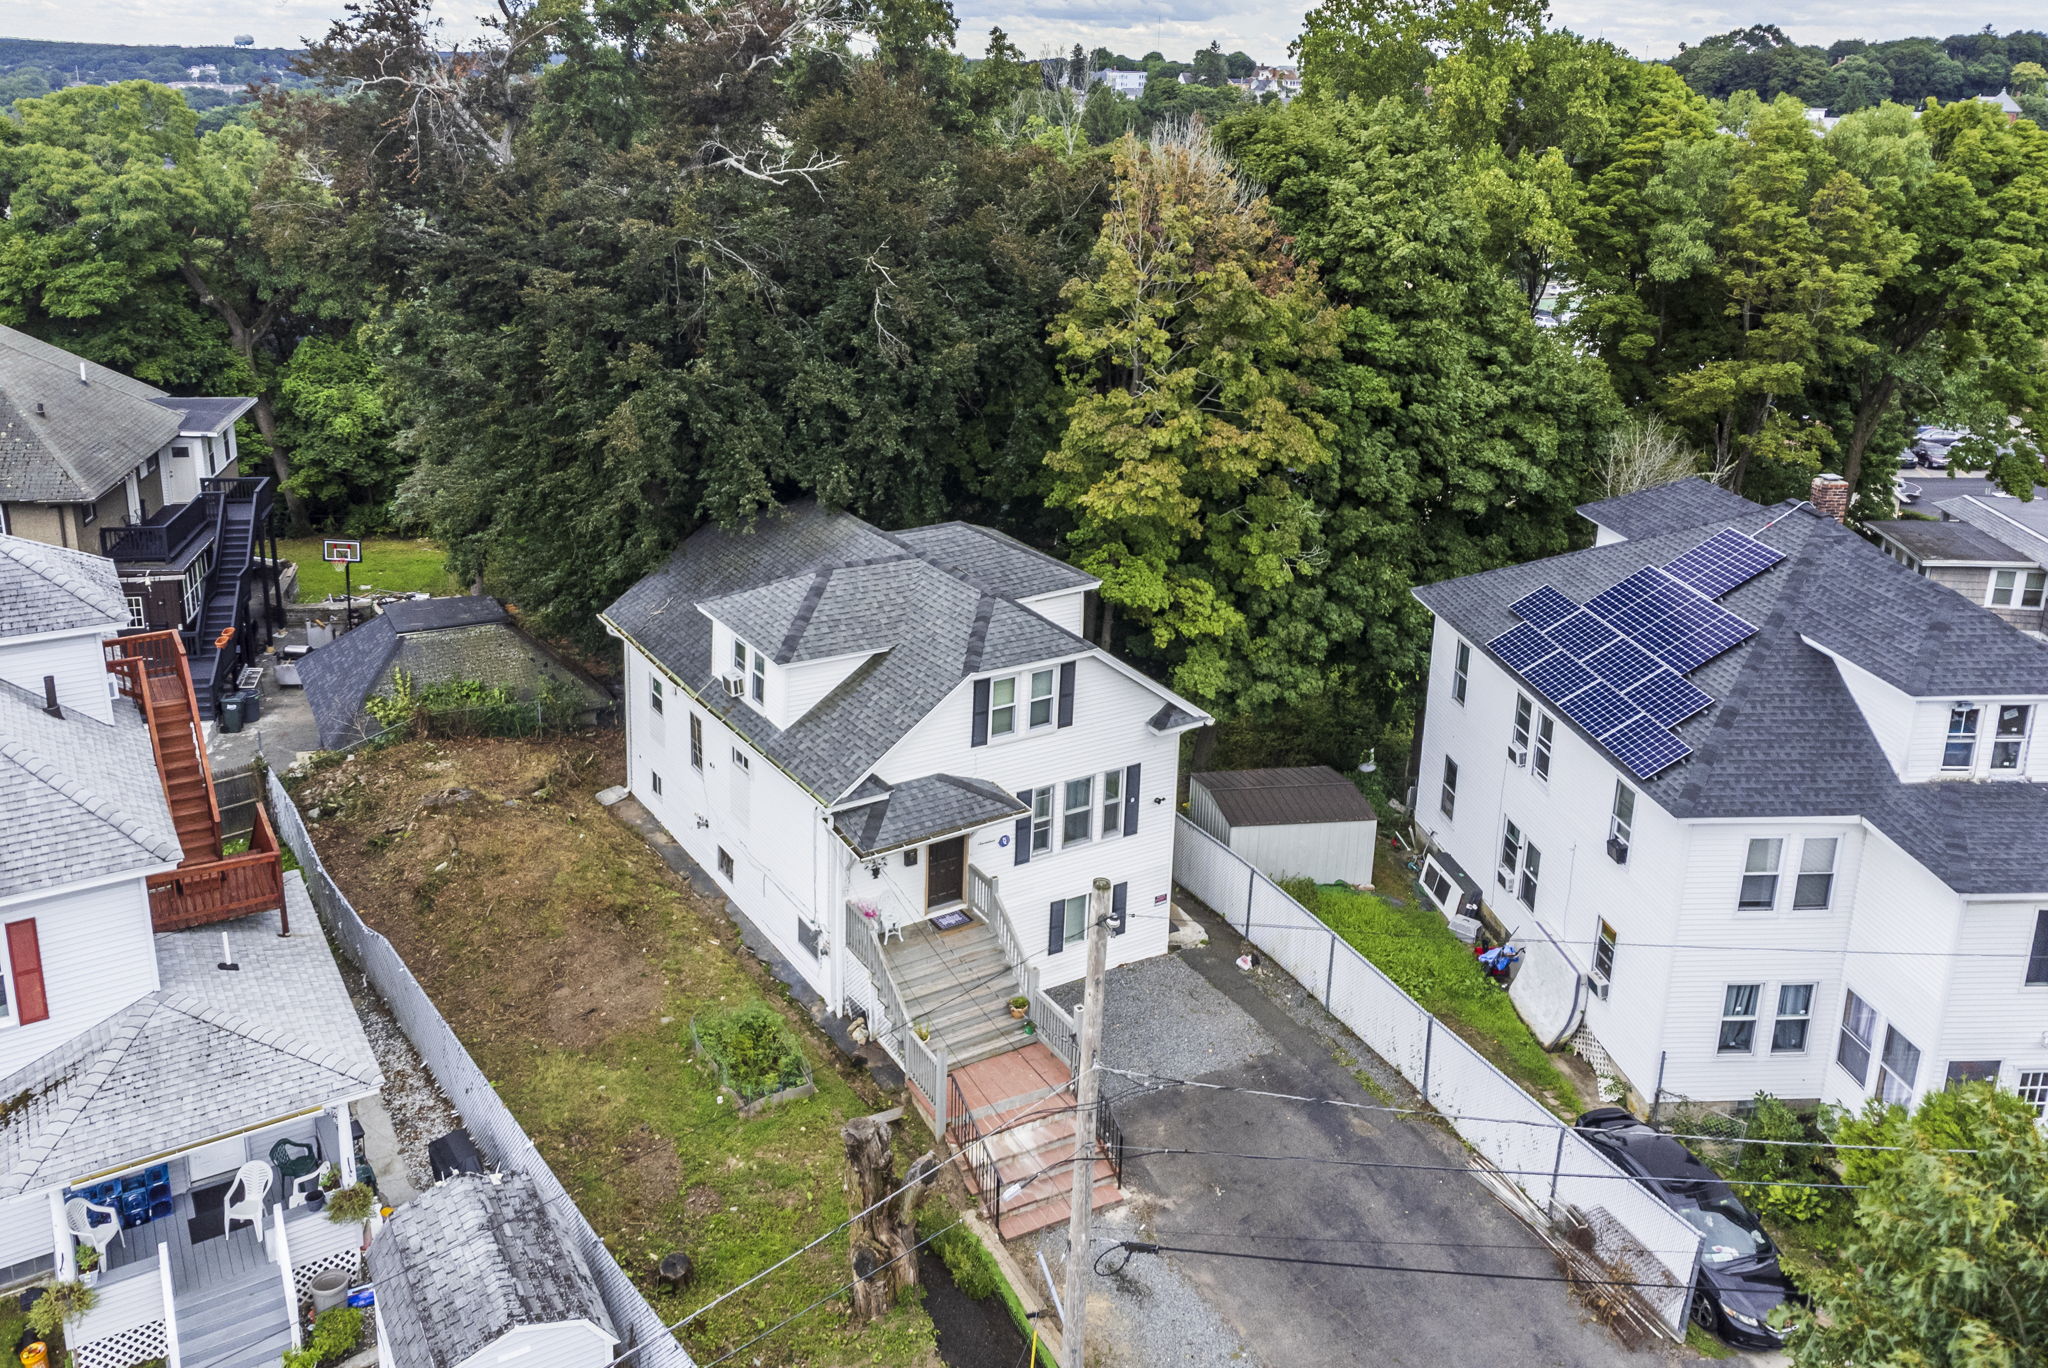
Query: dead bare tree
<point x="1645" y="452"/>
<point x="884" y="1239"/>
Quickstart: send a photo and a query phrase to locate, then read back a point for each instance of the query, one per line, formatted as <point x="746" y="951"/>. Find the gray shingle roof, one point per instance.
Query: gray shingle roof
<point x="434" y="641"/>
<point x="1945" y="541"/>
<point x="928" y="626"/>
<point x="993" y="560"/>
<point x="54" y="589"/>
<point x="87" y="436"/>
<point x="79" y="798"/>
<point x="1284" y="797"/>
<point x="470" y="1258"/>
<point x="1785" y="737"/>
<point x="210" y="1053"/>
<point x="205" y="415"/>
<point x="924" y="809"/>
<point x="2022" y="525"/>
<point x="1666" y="508"/>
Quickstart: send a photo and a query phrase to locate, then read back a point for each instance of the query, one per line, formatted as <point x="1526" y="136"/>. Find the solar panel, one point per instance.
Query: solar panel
<point x="1623" y="663"/>
<point x="1646" y="748"/>
<point x="1544" y="607"/>
<point x="1558" y="676"/>
<point x="1724" y="561"/>
<point x="1611" y="601"/>
<point x="1656" y="606"/>
<point x="1692" y="634"/>
<point x="1667" y="698"/>
<point x="1598" y="708"/>
<point x="1520" y="647"/>
<point x="1582" y="633"/>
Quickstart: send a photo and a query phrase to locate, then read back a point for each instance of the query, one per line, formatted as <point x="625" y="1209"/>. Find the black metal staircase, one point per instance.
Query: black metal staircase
<point x="220" y="643"/>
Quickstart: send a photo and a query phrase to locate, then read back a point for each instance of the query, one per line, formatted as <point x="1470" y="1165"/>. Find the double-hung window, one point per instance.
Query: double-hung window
<point x="751" y="666"/>
<point x="759" y="685"/>
<point x="1795" y="1010"/>
<point x="1461" y="672"/>
<point x="1760" y="875"/>
<point x="1447" y="800"/>
<point x="1959" y="752"/>
<point x="1603" y="955"/>
<point x="696" y="742"/>
<point x="1521" y="864"/>
<point x="1002" y="707"/>
<point x="1077" y="816"/>
<point x="1041" y="699"/>
<point x="1621" y="823"/>
<point x="1897" y="1066"/>
<point x="1112" y="803"/>
<point x="1532" y="869"/>
<point x="1738" y="1017"/>
<point x="1815" y="887"/>
<point x="1546" y="732"/>
<point x="2037" y="954"/>
<point x="1041" y="820"/>
<point x="654" y="692"/>
<point x="1518" y="744"/>
<point x="1037" y="703"/>
<point x="1076" y="918"/>
<point x="137" y="616"/>
<point x="2018" y="588"/>
<point x="2009" y="735"/>
<point x="1859" y="1029"/>
<point x="1510" y="853"/>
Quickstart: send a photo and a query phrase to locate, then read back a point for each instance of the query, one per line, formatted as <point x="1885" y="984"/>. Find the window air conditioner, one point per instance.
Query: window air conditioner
<point x="1518" y="755"/>
<point x="735" y="683"/>
<point x="1617" y="850"/>
<point x="1599" y="987"/>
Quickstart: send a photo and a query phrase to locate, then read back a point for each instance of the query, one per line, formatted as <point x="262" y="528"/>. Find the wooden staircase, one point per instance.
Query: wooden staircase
<point x="954" y="985"/>
<point x="207" y="887"/>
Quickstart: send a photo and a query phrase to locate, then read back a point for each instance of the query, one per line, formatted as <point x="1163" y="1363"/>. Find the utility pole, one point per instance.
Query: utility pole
<point x="1074" y="1307"/>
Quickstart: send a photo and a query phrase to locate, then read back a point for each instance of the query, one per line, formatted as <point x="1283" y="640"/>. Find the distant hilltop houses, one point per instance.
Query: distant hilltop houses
<point x="1283" y="82"/>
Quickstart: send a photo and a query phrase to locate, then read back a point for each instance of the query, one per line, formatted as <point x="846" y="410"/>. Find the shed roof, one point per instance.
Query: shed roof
<point x="1666" y="508"/>
<point x="469" y="1259"/>
<point x="1285" y="797"/>
<point x="2021" y="524"/>
<point x="1947" y="541"/>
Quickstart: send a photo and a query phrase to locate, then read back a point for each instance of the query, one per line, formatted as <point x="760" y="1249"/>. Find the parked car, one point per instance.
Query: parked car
<point x="1740" y="1284"/>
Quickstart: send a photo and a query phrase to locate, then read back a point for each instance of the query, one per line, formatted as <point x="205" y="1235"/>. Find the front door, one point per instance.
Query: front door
<point x="945" y="871"/>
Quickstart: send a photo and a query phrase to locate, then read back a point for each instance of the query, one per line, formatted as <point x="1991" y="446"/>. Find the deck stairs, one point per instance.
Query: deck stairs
<point x="1018" y="1129"/>
<point x="244" y="504"/>
<point x="235" y="1325"/>
<point x="957" y="986"/>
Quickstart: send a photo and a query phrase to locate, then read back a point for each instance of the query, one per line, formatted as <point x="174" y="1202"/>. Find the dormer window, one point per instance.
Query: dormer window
<point x="751" y="666"/>
<point x="1960" y="750"/>
<point x="1003" y="702"/>
<point x="2009" y="735"/>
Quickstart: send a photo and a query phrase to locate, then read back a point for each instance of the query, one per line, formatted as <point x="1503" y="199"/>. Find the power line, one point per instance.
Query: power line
<point x="1616" y="1176"/>
<point x="1141" y="1077"/>
<point x="1130" y="1247"/>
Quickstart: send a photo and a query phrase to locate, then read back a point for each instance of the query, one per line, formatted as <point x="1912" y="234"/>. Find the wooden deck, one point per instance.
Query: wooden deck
<point x="226" y="1258"/>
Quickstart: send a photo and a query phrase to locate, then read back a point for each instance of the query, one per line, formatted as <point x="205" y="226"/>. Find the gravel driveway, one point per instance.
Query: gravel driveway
<point x="1195" y="1015"/>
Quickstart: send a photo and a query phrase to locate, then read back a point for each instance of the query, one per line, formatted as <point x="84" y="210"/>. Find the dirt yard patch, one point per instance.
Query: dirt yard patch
<point x="570" y="961"/>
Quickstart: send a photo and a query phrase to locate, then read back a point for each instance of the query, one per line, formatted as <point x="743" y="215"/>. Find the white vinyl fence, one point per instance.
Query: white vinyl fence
<point x="484" y="1114"/>
<point x="1627" y="1229"/>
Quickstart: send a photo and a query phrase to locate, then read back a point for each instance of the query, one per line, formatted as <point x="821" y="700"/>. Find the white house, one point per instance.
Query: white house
<point x="859" y="731"/>
<point x="1768" y="806"/>
<point x="177" y="1047"/>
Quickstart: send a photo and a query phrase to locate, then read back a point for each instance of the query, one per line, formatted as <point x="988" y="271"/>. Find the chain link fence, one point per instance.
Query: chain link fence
<point x="485" y="1115"/>
<point x="1625" y="1233"/>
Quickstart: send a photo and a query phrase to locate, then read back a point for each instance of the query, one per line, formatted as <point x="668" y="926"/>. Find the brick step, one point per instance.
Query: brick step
<point x="1022" y="1220"/>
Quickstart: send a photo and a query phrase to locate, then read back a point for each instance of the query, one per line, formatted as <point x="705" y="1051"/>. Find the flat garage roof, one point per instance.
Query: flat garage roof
<point x="1285" y="797"/>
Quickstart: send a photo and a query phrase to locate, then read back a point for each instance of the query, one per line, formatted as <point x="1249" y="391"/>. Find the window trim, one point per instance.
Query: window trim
<point x="696" y="742"/>
<point x="1074" y="928"/>
<point x="1518" y="734"/>
<point x="1782" y="1017"/>
<point x="1885" y="1071"/>
<point x="1110" y="807"/>
<point x="742" y="762"/>
<point x="1953" y="738"/>
<point x="1605" y="942"/>
<point x="1622" y="826"/>
<point x="728" y="868"/>
<point x="654" y="691"/>
<point x="1773" y="875"/>
<point x="1853" y="1009"/>
<point x="138" y="610"/>
<point x="1532" y="875"/>
<point x="1041" y="820"/>
<point x="2018" y="587"/>
<point x="2013" y="742"/>
<point x="1800" y="900"/>
<point x="1461" y="672"/>
<point x="1512" y="839"/>
<point x="2032" y="1086"/>
<point x="1447" y="795"/>
<point x="1546" y="738"/>
<point x="1033" y="699"/>
<point x="654" y="781"/>
<point x="2036" y="972"/>
<point x="1069" y="810"/>
<point x="1021" y="711"/>
<point x="1740" y="1013"/>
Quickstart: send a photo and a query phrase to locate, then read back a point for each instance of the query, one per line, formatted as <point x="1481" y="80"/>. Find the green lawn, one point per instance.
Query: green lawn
<point x="391" y="565"/>
<point x="1414" y="948"/>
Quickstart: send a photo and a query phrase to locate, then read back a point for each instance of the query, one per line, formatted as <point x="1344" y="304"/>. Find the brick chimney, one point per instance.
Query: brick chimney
<point x="1830" y="496"/>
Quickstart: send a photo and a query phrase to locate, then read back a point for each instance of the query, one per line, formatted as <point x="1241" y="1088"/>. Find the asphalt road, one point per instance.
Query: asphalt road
<point x="1309" y="1316"/>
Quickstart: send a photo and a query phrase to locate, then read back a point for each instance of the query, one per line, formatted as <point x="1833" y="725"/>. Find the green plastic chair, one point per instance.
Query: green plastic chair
<point x="294" y="1159"/>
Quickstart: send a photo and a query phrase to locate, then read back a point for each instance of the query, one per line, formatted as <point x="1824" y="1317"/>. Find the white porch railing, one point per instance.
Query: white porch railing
<point x="128" y="1324"/>
<point x="1059" y="1030"/>
<point x="924" y="1062"/>
<point x="282" y="1252"/>
<point x="320" y="1245"/>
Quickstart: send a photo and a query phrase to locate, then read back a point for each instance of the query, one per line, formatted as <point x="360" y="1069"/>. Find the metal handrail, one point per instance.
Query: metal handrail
<point x="158" y="540"/>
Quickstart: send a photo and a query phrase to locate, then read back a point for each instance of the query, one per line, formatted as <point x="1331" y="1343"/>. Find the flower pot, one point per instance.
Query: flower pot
<point x="328" y="1290"/>
<point x="90" y="1277"/>
<point x="1019" y="1013"/>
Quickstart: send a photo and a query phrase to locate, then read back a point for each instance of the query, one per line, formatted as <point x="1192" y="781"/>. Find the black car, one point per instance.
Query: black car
<point x="1740" y="1283"/>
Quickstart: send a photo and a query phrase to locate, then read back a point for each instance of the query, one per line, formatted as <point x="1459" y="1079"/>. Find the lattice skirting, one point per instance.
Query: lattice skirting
<point x="350" y="1261"/>
<point x="124" y="1350"/>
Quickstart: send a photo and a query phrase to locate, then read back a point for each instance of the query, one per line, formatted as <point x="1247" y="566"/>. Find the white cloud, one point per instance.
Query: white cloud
<point x="1174" y="27"/>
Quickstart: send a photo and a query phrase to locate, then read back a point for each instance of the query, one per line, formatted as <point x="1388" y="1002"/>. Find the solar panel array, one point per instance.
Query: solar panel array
<point x="1617" y="665"/>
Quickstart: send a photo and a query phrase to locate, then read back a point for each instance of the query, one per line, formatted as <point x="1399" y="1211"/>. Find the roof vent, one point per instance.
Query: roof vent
<point x="81" y="374"/>
<point x="39" y="410"/>
<point x="50" y="696"/>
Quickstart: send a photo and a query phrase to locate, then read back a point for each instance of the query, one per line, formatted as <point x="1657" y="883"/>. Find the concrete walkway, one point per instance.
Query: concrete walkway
<point x="1196" y="1015"/>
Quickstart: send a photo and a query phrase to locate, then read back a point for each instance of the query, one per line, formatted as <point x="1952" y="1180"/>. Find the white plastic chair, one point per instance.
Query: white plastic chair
<point x="246" y="1194"/>
<point x="90" y="1223"/>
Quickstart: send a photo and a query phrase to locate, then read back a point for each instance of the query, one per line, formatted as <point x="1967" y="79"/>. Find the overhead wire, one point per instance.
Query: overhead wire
<point x="1134" y="1151"/>
<point x="1130" y="1247"/>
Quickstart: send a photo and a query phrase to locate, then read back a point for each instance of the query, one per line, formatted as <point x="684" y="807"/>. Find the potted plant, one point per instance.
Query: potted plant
<point x="59" y="1305"/>
<point x="88" y="1264"/>
<point x="1019" y="1005"/>
<point x="352" y="1203"/>
<point x="330" y="1178"/>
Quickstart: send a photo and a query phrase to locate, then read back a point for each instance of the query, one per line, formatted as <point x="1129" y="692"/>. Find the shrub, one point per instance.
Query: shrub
<point x="61" y="1303"/>
<point x="1768" y="1164"/>
<point x="972" y="1266"/>
<point x="335" y="1334"/>
<point x="753" y="1049"/>
<point x="352" y="1203"/>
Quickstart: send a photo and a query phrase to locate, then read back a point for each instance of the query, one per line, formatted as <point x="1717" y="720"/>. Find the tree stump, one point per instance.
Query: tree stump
<point x="884" y="1240"/>
<point x="674" y="1271"/>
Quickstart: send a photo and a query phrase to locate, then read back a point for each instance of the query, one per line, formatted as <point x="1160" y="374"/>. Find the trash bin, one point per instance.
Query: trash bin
<point x="328" y="1289"/>
<point x="230" y="718"/>
<point x="252" y="706"/>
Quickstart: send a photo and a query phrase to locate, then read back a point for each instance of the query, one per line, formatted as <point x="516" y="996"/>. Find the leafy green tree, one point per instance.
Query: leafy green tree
<point x="1209" y="66"/>
<point x="1860" y="82"/>
<point x="1188" y="354"/>
<point x="1107" y="115"/>
<point x="1239" y="66"/>
<point x="1948" y="1263"/>
<point x="1376" y="48"/>
<point x="332" y="416"/>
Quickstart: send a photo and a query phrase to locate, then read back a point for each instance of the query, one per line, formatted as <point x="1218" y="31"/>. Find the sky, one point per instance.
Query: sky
<point x="1262" y="28"/>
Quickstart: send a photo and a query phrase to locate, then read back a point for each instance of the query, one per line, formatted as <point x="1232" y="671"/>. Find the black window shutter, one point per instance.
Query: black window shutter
<point x="1118" y="903"/>
<point x="1067" y="694"/>
<point x="1022" y="840"/>
<point x="2037" y="958"/>
<point x="1131" y="800"/>
<point x="1056" y="940"/>
<point x="979" y="736"/>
